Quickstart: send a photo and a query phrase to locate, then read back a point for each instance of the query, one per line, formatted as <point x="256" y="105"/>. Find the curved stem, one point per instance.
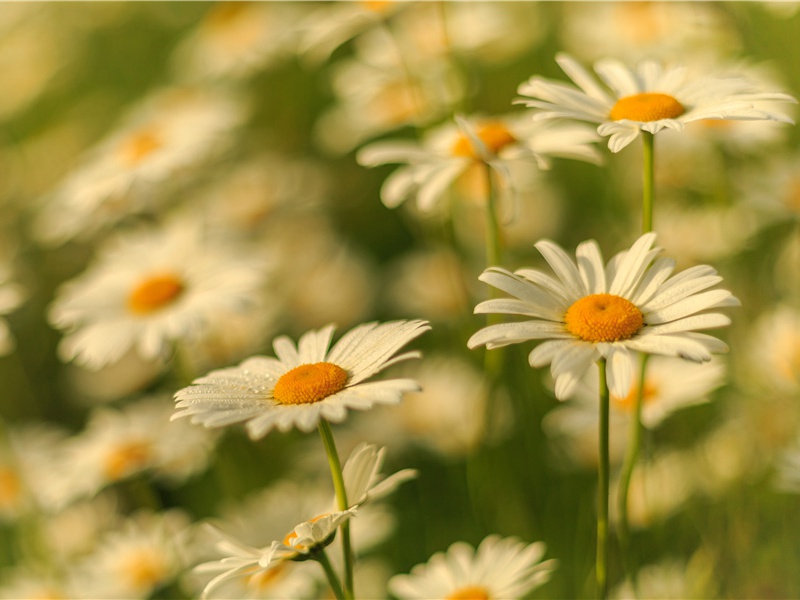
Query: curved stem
<point x="341" y="499"/>
<point x="602" y="488"/>
<point x="648" y="177"/>
<point x="322" y="558"/>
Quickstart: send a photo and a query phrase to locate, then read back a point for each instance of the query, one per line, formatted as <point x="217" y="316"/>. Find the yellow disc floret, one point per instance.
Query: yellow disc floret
<point x="309" y="383"/>
<point x="628" y="403"/>
<point x="473" y="592"/>
<point x="494" y="135"/>
<point x="603" y="318"/>
<point x="140" y="145"/>
<point x="646" y="107"/>
<point x="155" y="293"/>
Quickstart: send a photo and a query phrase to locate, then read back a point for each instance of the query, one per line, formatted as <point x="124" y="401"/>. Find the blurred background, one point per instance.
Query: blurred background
<point x="243" y="121"/>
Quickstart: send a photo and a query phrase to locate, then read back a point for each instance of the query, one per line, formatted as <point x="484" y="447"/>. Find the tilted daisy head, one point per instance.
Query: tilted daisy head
<point x="592" y="309"/>
<point x="306" y="382"/>
<point x="649" y="97"/>
<point x="499" y="568"/>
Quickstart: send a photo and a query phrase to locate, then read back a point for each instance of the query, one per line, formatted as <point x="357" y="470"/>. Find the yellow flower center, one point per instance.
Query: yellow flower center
<point x="144" y="570"/>
<point x="472" y="592"/>
<point x="262" y="580"/>
<point x="155" y="293"/>
<point x="10" y="488"/>
<point x="292" y="535"/>
<point x="494" y="135"/>
<point x="627" y="403"/>
<point x="139" y="146"/>
<point x="309" y="383"/>
<point x="128" y="457"/>
<point x="603" y="318"/>
<point x="377" y="6"/>
<point x="645" y="107"/>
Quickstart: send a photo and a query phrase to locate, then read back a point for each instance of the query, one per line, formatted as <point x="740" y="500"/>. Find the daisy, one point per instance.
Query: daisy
<point x="150" y="289"/>
<point x="499" y="568"/>
<point x="306" y="383"/>
<point x="593" y="310"/>
<point x="450" y="151"/>
<point x="649" y="98"/>
<point x="165" y="137"/>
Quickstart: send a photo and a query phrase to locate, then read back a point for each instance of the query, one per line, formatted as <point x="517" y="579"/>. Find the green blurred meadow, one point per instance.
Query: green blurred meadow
<point x="714" y="506"/>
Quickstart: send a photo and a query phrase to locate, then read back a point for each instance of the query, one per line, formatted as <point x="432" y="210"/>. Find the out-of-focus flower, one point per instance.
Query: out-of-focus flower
<point x="499" y="568"/>
<point x="167" y="136"/>
<point x="30" y="583"/>
<point x="774" y="361"/>
<point x="448" y="152"/>
<point x="136" y="559"/>
<point x="670" y="385"/>
<point x="305" y="383"/>
<point x="672" y="578"/>
<point x="773" y="189"/>
<point x="640" y="30"/>
<point x="150" y="289"/>
<point x="118" y="444"/>
<point x="648" y="98"/>
<point x="11" y="297"/>
<point x="237" y="39"/>
<point x="377" y="91"/>
<point x="594" y="310"/>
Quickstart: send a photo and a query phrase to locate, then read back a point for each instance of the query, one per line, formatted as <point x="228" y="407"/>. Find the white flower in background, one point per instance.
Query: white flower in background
<point x="118" y="444"/>
<point x="773" y="189"/>
<point x="448" y="415"/>
<point x="640" y="30"/>
<point x="648" y="98"/>
<point x="133" y="561"/>
<point x="774" y="357"/>
<point x="305" y="383"/>
<point x="151" y="289"/>
<point x="449" y="151"/>
<point x="34" y="583"/>
<point x="670" y="385"/>
<point x="165" y="138"/>
<point x="12" y="296"/>
<point x="237" y="39"/>
<point x="499" y="568"/>
<point x="673" y="578"/>
<point x="378" y="91"/>
<point x="593" y="310"/>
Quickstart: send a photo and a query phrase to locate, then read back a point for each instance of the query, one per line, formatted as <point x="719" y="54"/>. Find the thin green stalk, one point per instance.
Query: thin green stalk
<point x="602" y="488"/>
<point x="322" y="558"/>
<point x="494" y="247"/>
<point x="631" y="454"/>
<point x="648" y="180"/>
<point x="341" y="499"/>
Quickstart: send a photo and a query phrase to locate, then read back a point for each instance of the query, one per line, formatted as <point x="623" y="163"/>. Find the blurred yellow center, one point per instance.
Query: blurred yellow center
<point x="262" y="580"/>
<point x="126" y="458"/>
<point x="473" y="592"/>
<point x="603" y="318"/>
<point x="628" y="403"/>
<point x="10" y="487"/>
<point x="378" y="6"/>
<point x="140" y="145"/>
<point x="310" y="383"/>
<point x="645" y="107"/>
<point x="292" y="535"/>
<point x="144" y="570"/>
<point x="155" y="293"/>
<point x="494" y="135"/>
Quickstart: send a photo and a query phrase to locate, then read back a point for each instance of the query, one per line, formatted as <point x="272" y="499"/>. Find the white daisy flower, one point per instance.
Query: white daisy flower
<point x="133" y="561"/>
<point x="449" y="151"/>
<point x="649" y="98"/>
<point x="593" y="310"/>
<point x="12" y="296"/>
<point x="305" y="383"/>
<point x="118" y="444"/>
<point x="151" y="288"/>
<point x="167" y="135"/>
<point x="499" y="568"/>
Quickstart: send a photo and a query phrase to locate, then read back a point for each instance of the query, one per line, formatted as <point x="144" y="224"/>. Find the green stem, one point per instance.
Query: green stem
<point x="494" y="248"/>
<point x="648" y="180"/>
<point x="322" y="558"/>
<point x="602" y="488"/>
<point x="341" y="499"/>
<point x="631" y="454"/>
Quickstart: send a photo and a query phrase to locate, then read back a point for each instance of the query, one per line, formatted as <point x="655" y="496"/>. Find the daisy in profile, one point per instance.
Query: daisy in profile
<point x="149" y="289"/>
<point x="452" y="150"/>
<point x="649" y="97"/>
<point x="306" y="383"/>
<point x="499" y="568"/>
<point x="592" y="310"/>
